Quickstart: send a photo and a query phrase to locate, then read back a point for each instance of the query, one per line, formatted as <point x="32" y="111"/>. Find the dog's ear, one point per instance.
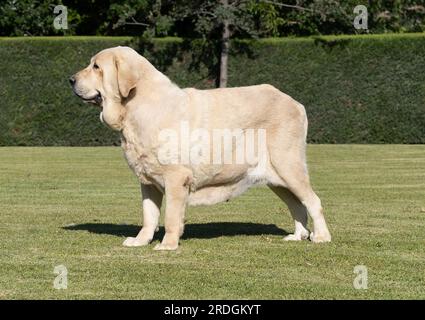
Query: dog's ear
<point x="126" y="75"/>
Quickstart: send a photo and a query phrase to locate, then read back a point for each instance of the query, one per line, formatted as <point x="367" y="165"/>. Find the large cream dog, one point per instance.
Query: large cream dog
<point x="141" y="103"/>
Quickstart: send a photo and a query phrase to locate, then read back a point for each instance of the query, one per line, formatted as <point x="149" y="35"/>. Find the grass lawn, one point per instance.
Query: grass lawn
<point x="75" y="206"/>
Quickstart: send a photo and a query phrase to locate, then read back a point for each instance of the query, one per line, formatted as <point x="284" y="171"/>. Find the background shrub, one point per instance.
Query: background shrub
<point x="356" y="89"/>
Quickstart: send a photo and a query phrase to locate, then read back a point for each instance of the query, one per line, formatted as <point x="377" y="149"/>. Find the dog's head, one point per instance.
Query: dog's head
<point x="107" y="81"/>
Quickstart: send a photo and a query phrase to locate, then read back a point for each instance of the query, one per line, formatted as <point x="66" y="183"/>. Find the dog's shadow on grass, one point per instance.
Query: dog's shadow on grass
<point x="191" y="231"/>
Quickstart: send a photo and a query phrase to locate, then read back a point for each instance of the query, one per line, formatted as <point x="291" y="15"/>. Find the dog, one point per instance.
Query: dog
<point x="151" y="113"/>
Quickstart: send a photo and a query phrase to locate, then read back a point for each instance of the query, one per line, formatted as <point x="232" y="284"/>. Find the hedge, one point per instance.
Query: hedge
<point x="356" y="89"/>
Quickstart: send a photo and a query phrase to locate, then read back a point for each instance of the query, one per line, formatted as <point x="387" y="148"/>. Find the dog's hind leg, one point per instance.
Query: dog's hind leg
<point x="287" y="149"/>
<point x="298" y="212"/>
<point x="296" y="179"/>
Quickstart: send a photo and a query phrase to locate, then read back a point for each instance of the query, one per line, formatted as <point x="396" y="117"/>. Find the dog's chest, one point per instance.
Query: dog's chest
<point x="140" y="162"/>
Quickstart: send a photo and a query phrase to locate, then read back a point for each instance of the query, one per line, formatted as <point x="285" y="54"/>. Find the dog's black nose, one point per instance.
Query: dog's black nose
<point x="72" y="80"/>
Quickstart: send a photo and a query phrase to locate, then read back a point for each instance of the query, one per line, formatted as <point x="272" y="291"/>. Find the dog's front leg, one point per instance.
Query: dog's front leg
<point x="151" y="203"/>
<point x="176" y="194"/>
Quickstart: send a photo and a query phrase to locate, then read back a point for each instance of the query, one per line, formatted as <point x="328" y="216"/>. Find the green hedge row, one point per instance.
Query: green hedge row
<point x="356" y="89"/>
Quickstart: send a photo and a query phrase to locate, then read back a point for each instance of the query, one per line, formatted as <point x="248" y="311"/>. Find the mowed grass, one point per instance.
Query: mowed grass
<point x="75" y="206"/>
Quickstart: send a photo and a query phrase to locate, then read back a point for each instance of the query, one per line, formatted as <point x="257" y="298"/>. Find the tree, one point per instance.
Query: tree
<point x="221" y="20"/>
<point x="225" y="46"/>
<point x="29" y="18"/>
<point x="208" y="25"/>
<point x="193" y="18"/>
<point x="212" y="21"/>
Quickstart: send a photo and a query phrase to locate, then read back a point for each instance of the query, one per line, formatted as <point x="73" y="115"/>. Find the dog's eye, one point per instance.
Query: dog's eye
<point x="95" y="66"/>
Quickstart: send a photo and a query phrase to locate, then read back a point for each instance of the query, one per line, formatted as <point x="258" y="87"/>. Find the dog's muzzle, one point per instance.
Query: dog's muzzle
<point x="97" y="99"/>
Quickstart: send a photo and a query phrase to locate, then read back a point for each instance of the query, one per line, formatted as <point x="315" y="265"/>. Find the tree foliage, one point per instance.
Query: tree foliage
<point x="202" y="18"/>
<point x="27" y="17"/>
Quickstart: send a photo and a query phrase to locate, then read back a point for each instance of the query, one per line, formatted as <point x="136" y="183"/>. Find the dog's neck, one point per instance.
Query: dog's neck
<point x="152" y="88"/>
<point x="151" y="80"/>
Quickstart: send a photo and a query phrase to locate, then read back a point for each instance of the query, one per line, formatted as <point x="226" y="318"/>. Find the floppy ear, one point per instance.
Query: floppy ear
<point x="127" y="76"/>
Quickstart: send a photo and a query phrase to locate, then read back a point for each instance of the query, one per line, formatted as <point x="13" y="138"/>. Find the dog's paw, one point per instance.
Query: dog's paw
<point x="297" y="236"/>
<point x="135" y="242"/>
<point x="166" y="246"/>
<point x="292" y="237"/>
<point x="320" y="238"/>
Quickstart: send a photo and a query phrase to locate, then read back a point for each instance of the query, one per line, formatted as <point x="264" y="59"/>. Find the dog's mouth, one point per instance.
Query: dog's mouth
<point x="96" y="99"/>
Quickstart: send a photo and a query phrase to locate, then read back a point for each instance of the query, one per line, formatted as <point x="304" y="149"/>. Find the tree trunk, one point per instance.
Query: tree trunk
<point x="225" y="44"/>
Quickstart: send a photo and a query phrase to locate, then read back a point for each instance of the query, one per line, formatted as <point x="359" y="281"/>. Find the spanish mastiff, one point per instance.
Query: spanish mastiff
<point x="195" y="147"/>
